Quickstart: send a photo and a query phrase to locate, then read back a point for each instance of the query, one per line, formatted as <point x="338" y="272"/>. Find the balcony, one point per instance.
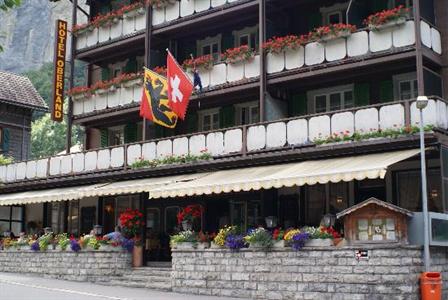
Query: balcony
<point x="363" y="44"/>
<point x="237" y="141"/>
<point x="134" y="22"/>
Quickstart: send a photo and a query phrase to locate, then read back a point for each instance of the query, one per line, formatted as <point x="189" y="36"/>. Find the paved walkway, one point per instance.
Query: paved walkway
<point x="24" y="287"/>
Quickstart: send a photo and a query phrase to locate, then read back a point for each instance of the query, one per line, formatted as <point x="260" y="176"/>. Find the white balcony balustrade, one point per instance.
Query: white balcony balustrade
<point x="234" y="141"/>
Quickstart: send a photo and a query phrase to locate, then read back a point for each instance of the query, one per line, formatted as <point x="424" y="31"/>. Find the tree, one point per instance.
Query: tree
<point x="5" y="5"/>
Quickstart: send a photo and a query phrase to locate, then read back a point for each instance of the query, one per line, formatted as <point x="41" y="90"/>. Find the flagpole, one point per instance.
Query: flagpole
<point x="147" y="54"/>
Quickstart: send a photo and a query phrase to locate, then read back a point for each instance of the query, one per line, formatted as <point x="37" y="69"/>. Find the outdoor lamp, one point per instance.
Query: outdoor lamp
<point x="271" y="221"/>
<point x="48" y="230"/>
<point x="422" y="102"/>
<point x="98" y="230"/>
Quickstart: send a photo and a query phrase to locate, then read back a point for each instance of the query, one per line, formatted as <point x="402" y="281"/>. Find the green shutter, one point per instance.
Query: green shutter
<point x="131" y="66"/>
<point x="362" y="94"/>
<point x="297" y="105"/>
<point x="5" y="140"/>
<point x="104" y="137"/>
<point x="130" y="133"/>
<point x="386" y="91"/>
<point x="105" y="74"/>
<point x="192" y="122"/>
<point x="314" y="21"/>
<point x="227" y="116"/>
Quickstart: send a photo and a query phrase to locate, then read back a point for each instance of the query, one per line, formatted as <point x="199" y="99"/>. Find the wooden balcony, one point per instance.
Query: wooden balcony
<point x="237" y="141"/>
<point x="363" y="44"/>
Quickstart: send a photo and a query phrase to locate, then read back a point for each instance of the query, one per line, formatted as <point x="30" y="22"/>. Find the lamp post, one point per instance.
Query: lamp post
<point x="422" y="102"/>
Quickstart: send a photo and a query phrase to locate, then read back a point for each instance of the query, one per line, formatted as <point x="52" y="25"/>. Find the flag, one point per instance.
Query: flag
<point x="154" y="105"/>
<point x="179" y="87"/>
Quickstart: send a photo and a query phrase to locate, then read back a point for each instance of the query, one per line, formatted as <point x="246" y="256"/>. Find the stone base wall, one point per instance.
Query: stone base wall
<point x="391" y="272"/>
<point x="85" y="265"/>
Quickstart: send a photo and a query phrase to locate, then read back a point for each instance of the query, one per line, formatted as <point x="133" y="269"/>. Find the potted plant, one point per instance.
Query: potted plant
<point x="238" y="54"/>
<point x="331" y="32"/>
<point x="62" y="241"/>
<point x="318" y="237"/>
<point x="44" y="241"/>
<point x="259" y="238"/>
<point x="202" y="62"/>
<point x="204" y="239"/>
<point x="278" y="237"/>
<point x="277" y="45"/>
<point x="220" y="239"/>
<point x="79" y="92"/>
<point x="132" y="223"/>
<point x="188" y="215"/>
<point x="299" y="239"/>
<point x="235" y="242"/>
<point x="184" y="240"/>
<point x="74" y="245"/>
<point x="289" y="234"/>
<point x="387" y="18"/>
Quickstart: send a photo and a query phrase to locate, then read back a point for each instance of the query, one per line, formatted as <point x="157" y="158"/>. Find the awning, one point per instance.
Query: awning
<point x="95" y="190"/>
<point x="310" y="172"/>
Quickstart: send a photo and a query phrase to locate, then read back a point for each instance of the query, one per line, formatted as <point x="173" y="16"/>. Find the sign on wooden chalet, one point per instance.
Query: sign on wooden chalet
<point x="375" y="221"/>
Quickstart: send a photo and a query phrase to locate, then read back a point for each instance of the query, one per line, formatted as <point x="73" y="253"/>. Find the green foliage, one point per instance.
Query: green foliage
<point x="171" y="160"/>
<point x="260" y="237"/>
<point x="184" y="237"/>
<point x="63" y="240"/>
<point x="5" y="160"/>
<point x="48" y="137"/>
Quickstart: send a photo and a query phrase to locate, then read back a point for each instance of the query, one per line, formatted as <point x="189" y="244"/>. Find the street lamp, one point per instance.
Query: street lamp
<point x="421" y="103"/>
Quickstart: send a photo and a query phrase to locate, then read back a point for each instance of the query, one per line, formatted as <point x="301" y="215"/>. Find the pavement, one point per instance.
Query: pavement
<point x="15" y="286"/>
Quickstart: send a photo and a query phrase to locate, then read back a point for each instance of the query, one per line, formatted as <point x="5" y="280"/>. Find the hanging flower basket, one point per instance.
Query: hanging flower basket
<point x="387" y="18"/>
<point x="331" y="32"/>
<point x="238" y="54"/>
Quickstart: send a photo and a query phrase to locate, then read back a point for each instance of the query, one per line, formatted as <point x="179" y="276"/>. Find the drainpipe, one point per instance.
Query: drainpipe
<point x="262" y="39"/>
<point x="347" y="12"/>
<point x="418" y="49"/>
<point x="71" y="79"/>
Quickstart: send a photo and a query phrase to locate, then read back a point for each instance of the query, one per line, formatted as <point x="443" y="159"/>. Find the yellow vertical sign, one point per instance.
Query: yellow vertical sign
<point x="57" y="106"/>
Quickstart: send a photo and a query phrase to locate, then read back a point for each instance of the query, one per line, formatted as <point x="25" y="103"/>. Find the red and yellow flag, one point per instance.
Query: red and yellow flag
<point x="155" y="104"/>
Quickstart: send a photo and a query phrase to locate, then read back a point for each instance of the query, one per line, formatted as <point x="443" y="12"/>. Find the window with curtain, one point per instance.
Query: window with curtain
<point x="11" y="219"/>
<point x="409" y="190"/>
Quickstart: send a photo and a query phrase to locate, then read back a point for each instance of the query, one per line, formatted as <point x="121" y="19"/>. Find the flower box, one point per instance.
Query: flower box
<point x="78" y="97"/>
<point x="186" y="246"/>
<point x="337" y="35"/>
<point x="134" y="82"/>
<point x="279" y="244"/>
<point x="100" y="91"/>
<point x="216" y="246"/>
<point x="387" y="25"/>
<point x="319" y="243"/>
<point x="203" y="245"/>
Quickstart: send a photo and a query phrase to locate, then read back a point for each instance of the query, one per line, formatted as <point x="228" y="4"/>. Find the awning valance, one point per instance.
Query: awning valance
<point x="310" y="172"/>
<point x="95" y="190"/>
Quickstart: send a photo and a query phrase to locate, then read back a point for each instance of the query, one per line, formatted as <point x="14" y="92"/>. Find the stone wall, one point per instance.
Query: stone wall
<point x="311" y="273"/>
<point x="82" y="266"/>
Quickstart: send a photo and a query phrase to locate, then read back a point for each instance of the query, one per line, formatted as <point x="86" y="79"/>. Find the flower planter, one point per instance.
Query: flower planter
<point x="319" y="243"/>
<point x="186" y="246"/>
<point x="279" y="244"/>
<point x="203" y="245"/>
<point x="137" y="256"/>
<point x="330" y="37"/>
<point x="110" y="248"/>
<point x="100" y="91"/>
<point x="131" y="83"/>
<point x="387" y="25"/>
<point x="216" y="246"/>
<point x="78" y="97"/>
<point x="258" y="246"/>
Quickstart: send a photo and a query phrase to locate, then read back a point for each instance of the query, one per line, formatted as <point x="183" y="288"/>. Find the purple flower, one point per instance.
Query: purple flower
<point x="35" y="246"/>
<point x="128" y="244"/>
<point x="299" y="239"/>
<point x="235" y="242"/>
<point x="74" y="245"/>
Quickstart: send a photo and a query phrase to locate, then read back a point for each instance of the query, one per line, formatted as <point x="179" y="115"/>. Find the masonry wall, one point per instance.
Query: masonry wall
<point x="90" y="266"/>
<point x="312" y="273"/>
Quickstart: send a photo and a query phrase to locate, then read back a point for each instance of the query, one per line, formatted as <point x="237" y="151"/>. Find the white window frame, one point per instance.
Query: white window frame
<point x="209" y="41"/>
<point x="208" y="112"/>
<point x="239" y="111"/>
<point x="238" y="34"/>
<point x="110" y="132"/>
<point x="311" y="96"/>
<point x="397" y="79"/>
<point x="327" y="11"/>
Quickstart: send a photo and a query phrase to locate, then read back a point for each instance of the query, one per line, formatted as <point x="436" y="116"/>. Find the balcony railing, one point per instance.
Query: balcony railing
<point x="243" y="140"/>
<point x="363" y="43"/>
<point x="135" y="22"/>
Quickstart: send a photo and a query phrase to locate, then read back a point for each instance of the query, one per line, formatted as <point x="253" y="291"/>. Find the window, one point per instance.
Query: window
<point x="396" y="3"/>
<point x="11" y="218"/>
<point x="247" y="113"/>
<point x="171" y="219"/>
<point x="405" y="86"/>
<point x="315" y="204"/>
<point x="334" y="14"/>
<point x="332" y="99"/>
<point x="210" y="46"/>
<point x="246" y="36"/>
<point x="209" y="119"/>
<point x="116" y="135"/>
